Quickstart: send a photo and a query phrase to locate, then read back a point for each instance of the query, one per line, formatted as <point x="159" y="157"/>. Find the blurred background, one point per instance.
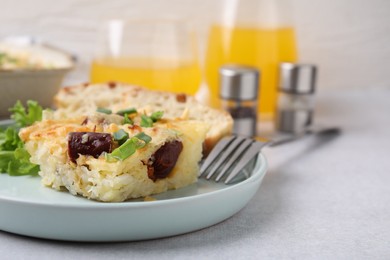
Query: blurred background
<point x="348" y="40"/>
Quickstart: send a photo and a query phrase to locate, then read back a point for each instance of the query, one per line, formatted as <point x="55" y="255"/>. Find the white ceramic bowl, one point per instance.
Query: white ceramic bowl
<point x="35" y="84"/>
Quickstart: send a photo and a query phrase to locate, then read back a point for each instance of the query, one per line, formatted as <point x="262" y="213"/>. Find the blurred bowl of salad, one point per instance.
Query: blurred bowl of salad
<point x="30" y="70"/>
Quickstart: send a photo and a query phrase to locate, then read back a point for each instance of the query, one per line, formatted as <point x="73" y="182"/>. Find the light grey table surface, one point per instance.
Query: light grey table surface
<point x="321" y="199"/>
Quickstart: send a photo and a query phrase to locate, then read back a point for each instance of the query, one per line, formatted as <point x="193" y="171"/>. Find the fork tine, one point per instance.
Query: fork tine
<point x="215" y="153"/>
<point x="246" y="157"/>
<point x="234" y="157"/>
<point x="234" y="144"/>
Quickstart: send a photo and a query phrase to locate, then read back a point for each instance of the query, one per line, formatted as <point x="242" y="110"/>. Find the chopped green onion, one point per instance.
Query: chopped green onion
<point x="127" y="120"/>
<point x="129" y="147"/>
<point x="104" y="110"/>
<point x="138" y="143"/>
<point x="146" y="121"/>
<point x="127" y="111"/>
<point x="144" y="137"/>
<point x="121" y="136"/>
<point x="125" y="150"/>
<point x="157" y="115"/>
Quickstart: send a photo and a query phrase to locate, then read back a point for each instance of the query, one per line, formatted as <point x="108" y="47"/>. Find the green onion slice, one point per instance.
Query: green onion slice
<point x="146" y="121"/>
<point x="121" y="136"/>
<point x="127" y="111"/>
<point x="144" y="137"/>
<point x="127" y="120"/>
<point x="104" y="110"/>
<point x="157" y="115"/>
<point x="125" y="150"/>
<point x="129" y="147"/>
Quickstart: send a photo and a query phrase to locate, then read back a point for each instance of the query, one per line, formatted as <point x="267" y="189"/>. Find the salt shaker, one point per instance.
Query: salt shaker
<point x="296" y="97"/>
<point x="239" y="95"/>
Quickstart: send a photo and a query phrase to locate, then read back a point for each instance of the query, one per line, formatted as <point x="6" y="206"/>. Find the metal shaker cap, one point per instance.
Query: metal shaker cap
<point x="297" y="78"/>
<point x="239" y="82"/>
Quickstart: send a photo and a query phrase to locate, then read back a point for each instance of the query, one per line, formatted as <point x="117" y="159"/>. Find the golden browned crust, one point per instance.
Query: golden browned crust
<point x="84" y="98"/>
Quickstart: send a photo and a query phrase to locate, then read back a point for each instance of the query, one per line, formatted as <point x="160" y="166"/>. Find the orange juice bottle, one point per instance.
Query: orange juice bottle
<point x="168" y="75"/>
<point x="253" y="33"/>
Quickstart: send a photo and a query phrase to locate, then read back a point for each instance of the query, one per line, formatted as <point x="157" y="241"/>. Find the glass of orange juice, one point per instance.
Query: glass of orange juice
<point x="257" y="33"/>
<point x="160" y="55"/>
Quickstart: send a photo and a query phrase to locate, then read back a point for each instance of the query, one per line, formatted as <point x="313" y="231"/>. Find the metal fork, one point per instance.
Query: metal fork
<point x="241" y="150"/>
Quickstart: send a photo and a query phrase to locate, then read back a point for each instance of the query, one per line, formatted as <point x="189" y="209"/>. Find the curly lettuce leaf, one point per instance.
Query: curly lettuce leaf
<point x="17" y="163"/>
<point x="25" y="117"/>
<point x="9" y="140"/>
<point x="14" y="159"/>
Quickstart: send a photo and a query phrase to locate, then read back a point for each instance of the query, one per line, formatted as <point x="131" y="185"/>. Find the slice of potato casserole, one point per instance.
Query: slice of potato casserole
<point x="116" y="157"/>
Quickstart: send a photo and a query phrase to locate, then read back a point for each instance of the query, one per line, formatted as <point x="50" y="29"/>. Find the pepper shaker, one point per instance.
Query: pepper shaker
<point x="296" y="97"/>
<point x="239" y="95"/>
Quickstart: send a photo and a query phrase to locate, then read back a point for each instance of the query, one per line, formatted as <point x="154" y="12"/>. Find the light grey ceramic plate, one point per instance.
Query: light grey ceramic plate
<point x="28" y="208"/>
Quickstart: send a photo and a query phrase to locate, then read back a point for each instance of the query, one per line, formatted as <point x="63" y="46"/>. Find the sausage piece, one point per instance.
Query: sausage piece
<point x="88" y="143"/>
<point x="164" y="160"/>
